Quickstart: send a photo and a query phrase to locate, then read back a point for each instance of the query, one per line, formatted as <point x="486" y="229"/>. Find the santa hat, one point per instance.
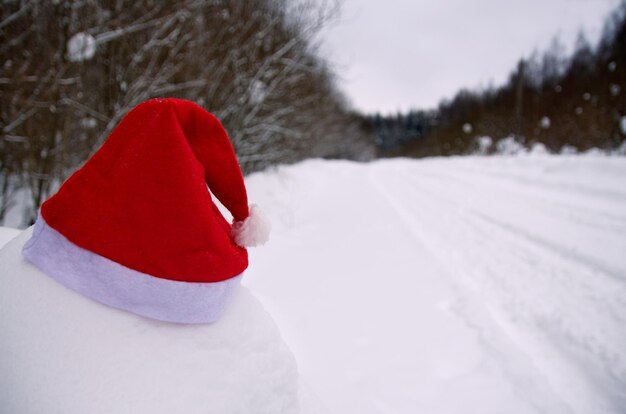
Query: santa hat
<point x="136" y="228"/>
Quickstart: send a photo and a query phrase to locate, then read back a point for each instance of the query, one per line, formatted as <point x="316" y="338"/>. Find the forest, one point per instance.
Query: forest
<point x="71" y="70"/>
<point x="567" y="103"/>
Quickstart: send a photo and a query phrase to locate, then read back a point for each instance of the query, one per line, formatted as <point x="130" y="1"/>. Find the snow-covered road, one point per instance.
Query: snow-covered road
<point x="478" y="284"/>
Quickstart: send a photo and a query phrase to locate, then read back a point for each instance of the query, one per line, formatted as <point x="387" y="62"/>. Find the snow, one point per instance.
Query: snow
<point x="622" y="124"/>
<point x="7" y="234"/>
<point x="444" y="285"/>
<point x="81" y="47"/>
<point x="63" y="353"/>
<point x="88" y="123"/>
<point x="258" y="92"/>
<point x="510" y="146"/>
<point x="568" y="150"/>
<point x="495" y="283"/>
<point x="484" y="144"/>
<point x="467" y="128"/>
<point x="621" y="150"/>
<point x="595" y="152"/>
<point x="545" y="122"/>
<point x="538" y="149"/>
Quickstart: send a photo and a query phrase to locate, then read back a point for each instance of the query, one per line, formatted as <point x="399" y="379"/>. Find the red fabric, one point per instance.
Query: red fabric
<point x="142" y="199"/>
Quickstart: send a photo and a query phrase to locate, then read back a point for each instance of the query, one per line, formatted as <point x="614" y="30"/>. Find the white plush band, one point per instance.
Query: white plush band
<point x="116" y="285"/>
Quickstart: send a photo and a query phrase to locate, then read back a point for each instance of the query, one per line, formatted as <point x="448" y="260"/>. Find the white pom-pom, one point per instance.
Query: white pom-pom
<point x="254" y="230"/>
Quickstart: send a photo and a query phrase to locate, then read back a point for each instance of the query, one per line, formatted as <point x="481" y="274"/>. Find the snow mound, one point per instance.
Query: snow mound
<point x="538" y="149"/>
<point x="61" y="352"/>
<point x="7" y="234"/>
<point x="510" y="146"/>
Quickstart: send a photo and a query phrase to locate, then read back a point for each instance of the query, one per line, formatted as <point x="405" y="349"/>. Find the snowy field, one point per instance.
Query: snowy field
<point x="449" y="285"/>
<point x="459" y="285"/>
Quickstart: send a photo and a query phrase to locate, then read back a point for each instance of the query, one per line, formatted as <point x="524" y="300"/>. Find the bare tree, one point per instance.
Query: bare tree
<point x="73" y="69"/>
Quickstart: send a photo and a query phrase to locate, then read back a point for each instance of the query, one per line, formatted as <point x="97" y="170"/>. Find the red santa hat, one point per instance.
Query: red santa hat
<point x="136" y="228"/>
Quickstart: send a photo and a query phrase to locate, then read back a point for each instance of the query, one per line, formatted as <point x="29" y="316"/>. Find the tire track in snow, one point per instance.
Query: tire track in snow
<point x="609" y="221"/>
<point x="613" y="292"/>
<point x="528" y="260"/>
<point x="566" y="248"/>
<point x="545" y="182"/>
<point x="517" y="366"/>
<point x="589" y="262"/>
<point x="553" y="192"/>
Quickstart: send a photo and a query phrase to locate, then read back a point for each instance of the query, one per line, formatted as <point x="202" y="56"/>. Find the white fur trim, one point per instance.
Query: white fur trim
<point x="254" y="230"/>
<point x="118" y="286"/>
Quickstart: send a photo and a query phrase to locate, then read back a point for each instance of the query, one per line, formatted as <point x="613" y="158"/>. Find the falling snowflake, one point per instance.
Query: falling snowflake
<point x="88" y="123"/>
<point x="484" y="144"/>
<point x="80" y="47"/>
<point x="467" y="128"/>
<point x="258" y="92"/>
<point x="622" y="124"/>
<point x="544" y="122"/>
<point x="615" y="89"/>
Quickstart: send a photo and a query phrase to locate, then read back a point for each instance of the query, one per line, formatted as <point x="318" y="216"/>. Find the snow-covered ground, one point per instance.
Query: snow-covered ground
<point x="456" y="285"/>
<point x="447" y="285"/>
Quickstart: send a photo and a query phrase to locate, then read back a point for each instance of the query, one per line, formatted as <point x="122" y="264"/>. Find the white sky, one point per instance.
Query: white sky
<point x="395" y="55"/>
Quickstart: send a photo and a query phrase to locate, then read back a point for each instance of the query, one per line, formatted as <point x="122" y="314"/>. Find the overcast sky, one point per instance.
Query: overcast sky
<point x="398" y="54"/>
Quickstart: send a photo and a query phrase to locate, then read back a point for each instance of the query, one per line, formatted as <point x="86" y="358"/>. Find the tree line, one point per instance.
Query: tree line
<point x="576" y="102"/>
<point x="70" y="70"/>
